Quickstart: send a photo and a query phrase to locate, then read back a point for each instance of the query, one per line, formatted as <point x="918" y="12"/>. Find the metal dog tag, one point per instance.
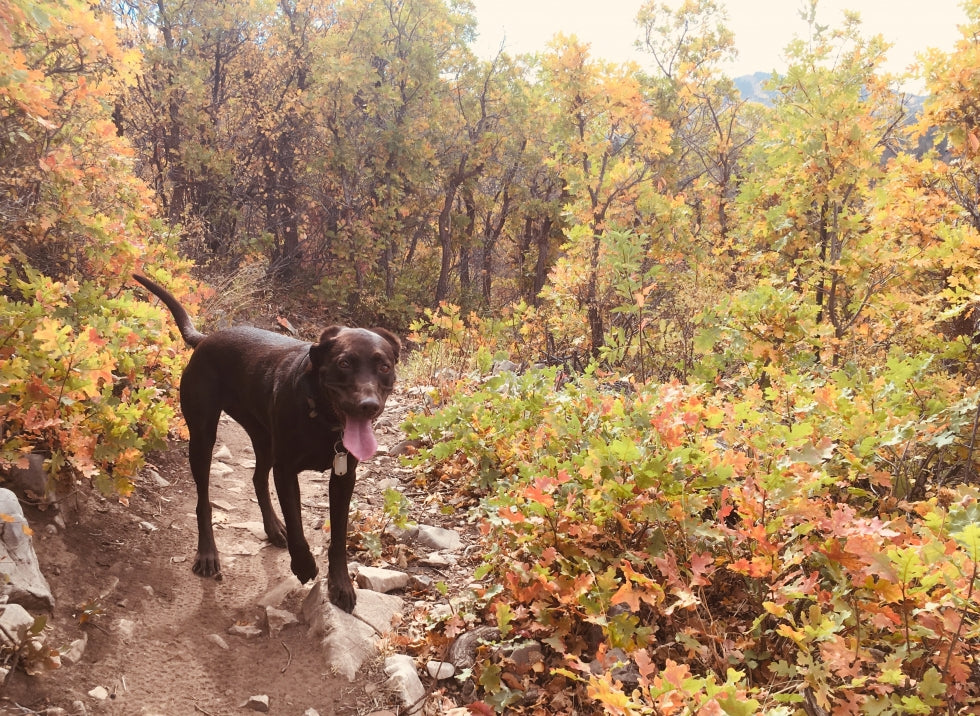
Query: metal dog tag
<point x="340" y="464"/>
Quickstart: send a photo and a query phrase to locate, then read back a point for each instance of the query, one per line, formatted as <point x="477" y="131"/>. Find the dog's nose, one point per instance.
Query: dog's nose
<point x="369" y="407"/>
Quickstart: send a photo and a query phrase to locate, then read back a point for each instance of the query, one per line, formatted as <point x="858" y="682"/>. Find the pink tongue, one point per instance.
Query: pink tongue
<point x="359" y="439"/>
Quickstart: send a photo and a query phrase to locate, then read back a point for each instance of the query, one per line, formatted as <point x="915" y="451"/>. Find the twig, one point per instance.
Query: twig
<point x="206" y="713"/>
<point x="289" y="658"/>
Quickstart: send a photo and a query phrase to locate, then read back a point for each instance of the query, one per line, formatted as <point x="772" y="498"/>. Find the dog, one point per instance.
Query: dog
<point x="304" y="406"/>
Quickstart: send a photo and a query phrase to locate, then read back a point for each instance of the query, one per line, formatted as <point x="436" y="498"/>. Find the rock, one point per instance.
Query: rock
<point x="407" y="534"/>
<point x="109" y="588"/>
<point x="21" y="580"/>
<point x="462" y="652"/>
<point x="222" y="504"/>
<point x="404" y="682"/>
<point x="389" y="483"/>
<point x="350" y="640"/>
<point x="258" y="703"/>
<point x="278" y="619"/>
<point x="441" y="611"/>
<point x="311" y="712"/>
<point x="524" y="655"/>
<point x="15" y="624"/>
<point x="78" y="708"/>
<point x="404" y="447"/>
<point x="125" y="628"/>
<point x="249" y="631"/>
<point x="421" y="582"/>
<point x="277" y="595"/>
<point x="75" y="651"/>
<point x="381" y="580"/>
<point x="222" y="453"/>
<point x="219" y="468"/>
<point x="156" y="478"/>
<point x="439" y="670"/>
<point x="437" y="560"/>
<point x="257" y="529"/>
<point x="218" y="641"/>
<point x="437" y="538"/>
<point x="620" y="666"/>
<point x="504" y="366"/>
<point x="99" y="693"/>
<point x="148" y="526"/>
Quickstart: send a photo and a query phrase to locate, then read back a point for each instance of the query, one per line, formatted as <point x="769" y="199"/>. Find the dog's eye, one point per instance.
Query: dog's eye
<point x="344" y="363"/>
<point x="384" y="368"/>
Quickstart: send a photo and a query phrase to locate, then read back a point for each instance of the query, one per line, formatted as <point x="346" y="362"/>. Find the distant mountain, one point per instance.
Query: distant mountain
<point x="751" y="88"/>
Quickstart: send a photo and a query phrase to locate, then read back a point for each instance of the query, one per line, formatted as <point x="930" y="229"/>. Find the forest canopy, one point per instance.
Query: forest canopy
<point x="755" y="325"/>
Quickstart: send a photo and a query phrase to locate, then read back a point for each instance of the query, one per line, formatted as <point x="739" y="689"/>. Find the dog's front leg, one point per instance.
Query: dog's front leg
<point x="339" y="585"/>
<point x="301" y="558"/>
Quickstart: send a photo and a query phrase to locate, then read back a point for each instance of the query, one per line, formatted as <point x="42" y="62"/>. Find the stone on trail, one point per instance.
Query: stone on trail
<point x="218" y="469"/>
<point x="381" y="580"/>
<point x="75" y="651"/>
<point x="15" y="624"/>
<point x="439" y="670"/>
<point x="258" y="703"/>
<point x="438" y="538"/>
<point x="99" y="693"/>
<point x="156" y="478"/>
<point x="249" y="631"/>
<point x="278" y="619"/>
<point x="218" y="641"/>
<point x="277" y="595"/>
<point x="21" y="580"/>
<point x="350" y="640"/>
<point x="404" y="682"/>
<point x="222" y="453"/>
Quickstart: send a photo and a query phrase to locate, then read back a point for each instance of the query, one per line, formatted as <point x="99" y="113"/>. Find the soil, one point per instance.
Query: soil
<point x="121" y="575"/>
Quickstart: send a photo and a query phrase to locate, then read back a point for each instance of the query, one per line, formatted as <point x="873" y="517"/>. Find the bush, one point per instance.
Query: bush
<point x="743" y="553"/>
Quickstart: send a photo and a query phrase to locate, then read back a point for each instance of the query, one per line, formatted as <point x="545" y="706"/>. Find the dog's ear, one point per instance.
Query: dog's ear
<point x="321" y="349"/>
<point x="396" y="345"/>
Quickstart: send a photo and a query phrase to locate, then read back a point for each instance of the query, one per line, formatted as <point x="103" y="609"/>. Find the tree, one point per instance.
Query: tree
<point x="809" y="199"/>
<point x="606" y="140"/>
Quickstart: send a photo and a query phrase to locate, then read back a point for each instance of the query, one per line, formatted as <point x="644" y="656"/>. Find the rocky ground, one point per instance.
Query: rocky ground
<point x="141" y="634"/>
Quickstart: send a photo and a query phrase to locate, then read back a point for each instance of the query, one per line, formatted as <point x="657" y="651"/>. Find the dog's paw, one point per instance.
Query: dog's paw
<point x="342" y="594"/>
<point x="304" y="567"/>
<point x="207" y="566"/>
<point x="276" y="532"/>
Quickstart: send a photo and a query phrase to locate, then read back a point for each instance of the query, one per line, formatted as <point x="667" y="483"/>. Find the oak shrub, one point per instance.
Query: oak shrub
<point x="86" y="367"/>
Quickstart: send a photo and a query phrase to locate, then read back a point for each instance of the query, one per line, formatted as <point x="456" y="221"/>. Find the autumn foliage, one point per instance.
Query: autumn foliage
<point x="735" y="468"/>
<point x="85" y="369"/>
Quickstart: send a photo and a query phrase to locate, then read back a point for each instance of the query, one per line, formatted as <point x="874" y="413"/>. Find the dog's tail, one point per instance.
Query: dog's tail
<point x="191" y="335"/>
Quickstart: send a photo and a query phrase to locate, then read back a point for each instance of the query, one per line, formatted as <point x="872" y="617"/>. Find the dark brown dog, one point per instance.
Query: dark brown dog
<point x="304" y="406"/>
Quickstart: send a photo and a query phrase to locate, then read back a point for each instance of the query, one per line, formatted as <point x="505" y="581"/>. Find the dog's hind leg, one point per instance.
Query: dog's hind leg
<point x="201" y="413"/>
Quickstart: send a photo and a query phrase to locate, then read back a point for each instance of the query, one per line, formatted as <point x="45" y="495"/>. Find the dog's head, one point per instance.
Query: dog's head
<point x="354" y="370"/>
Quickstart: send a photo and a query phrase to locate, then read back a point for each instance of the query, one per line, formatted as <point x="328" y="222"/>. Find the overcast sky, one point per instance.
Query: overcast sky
<point x="762" y="27"/>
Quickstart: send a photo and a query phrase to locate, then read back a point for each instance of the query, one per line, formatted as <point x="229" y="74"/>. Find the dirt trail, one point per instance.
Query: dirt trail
<point x="151" y="617"/>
